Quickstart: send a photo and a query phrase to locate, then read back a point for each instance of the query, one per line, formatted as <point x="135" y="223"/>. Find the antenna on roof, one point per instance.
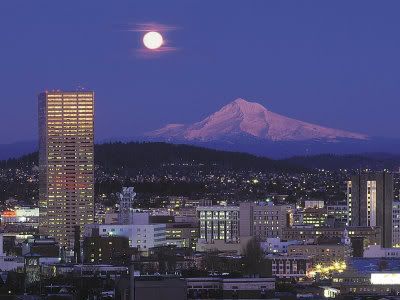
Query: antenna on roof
<point x="80" y="87"/>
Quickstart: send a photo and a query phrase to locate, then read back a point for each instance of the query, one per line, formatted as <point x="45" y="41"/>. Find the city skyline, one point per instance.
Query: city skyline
<point x="333" y="58"/>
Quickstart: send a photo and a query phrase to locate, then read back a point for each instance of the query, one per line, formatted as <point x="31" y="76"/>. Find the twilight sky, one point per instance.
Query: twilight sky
<point x="334" y="63"/>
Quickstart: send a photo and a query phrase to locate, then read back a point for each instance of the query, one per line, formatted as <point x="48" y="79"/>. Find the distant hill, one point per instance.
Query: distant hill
<point x="136" y="156"/>
<point x="374" y="161"/>
<point x="18" y="149"/>
<point x="139" y="156"/>
<point x="150" y="156"/>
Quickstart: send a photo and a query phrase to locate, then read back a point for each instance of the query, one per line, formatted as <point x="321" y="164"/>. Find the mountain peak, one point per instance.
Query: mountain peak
<point x="250" y="119"/>
<point x="246" y="106"/>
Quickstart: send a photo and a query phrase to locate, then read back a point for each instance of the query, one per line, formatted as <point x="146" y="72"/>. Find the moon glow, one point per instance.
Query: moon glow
<point x="153" y="40"/>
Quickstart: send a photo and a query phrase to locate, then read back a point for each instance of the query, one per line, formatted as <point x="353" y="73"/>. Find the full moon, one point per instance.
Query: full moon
<point x="153" y="40"/>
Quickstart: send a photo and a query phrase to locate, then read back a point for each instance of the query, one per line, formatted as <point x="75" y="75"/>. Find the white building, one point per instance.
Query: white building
<point x="276" y="245"/>
<point x="141" y="236"/>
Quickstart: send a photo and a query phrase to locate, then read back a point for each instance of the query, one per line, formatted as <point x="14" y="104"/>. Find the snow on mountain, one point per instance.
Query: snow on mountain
<point x="243" y="118"/>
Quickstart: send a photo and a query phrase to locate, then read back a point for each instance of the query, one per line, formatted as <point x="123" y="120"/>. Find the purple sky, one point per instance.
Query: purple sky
<point x="334" y="63"/>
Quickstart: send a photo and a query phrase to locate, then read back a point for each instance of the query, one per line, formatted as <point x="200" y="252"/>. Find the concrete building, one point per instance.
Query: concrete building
<point x="218" y="223"/>
<point x="295" y="267"/>
<point x="182" y="235"/>
<point x="369" y="199"/>
<point x="264" y="221"/>
<point x="66" y="163"/>
<point x="137" y="287"/>
<point x="229" y="288"/>
<point x="396" y="224"/>
<point x="339" y="212"/>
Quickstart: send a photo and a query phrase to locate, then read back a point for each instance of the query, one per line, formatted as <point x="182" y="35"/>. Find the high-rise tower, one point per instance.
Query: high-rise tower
<point x="369" y="198"/>
<point x="66" y="164"/>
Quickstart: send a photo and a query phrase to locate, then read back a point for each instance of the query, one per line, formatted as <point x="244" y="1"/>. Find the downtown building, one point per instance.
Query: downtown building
<point x="369" y="199"/>
<point x="264" y="220"/>
<point x="66" y="163"/>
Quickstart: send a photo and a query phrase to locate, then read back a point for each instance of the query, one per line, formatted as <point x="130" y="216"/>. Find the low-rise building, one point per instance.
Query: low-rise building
<point x="295" y="266"/>
<point x="370" y="235"/>
<point x="321" y="253"/>
<point x="376" y="251"/>
<point x="142" y="237"/>
<point x="277" y="245"/>
<point x="229" y="288"/>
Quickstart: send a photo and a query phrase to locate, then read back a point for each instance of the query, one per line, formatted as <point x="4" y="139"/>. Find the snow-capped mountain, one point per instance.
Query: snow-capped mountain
<point x="243" y="119"/>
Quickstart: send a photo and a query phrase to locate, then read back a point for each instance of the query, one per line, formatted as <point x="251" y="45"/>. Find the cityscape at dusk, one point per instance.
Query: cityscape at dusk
<point x="199" y="150"/>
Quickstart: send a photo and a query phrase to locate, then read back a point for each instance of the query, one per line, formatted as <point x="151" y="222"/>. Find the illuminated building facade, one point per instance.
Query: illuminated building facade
<point x="66" y="168"/>
<point x="219" y="223"/>
<point x="370" y="198"/>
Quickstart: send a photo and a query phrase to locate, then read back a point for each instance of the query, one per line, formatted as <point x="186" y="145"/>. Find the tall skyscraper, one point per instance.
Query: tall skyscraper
<point x="66" y="164"/>
<point x="369" y="199"/>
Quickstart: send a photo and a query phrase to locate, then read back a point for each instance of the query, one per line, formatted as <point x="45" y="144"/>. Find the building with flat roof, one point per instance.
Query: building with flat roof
<point x="66" y="163"/>
<point x="140" y="236"/>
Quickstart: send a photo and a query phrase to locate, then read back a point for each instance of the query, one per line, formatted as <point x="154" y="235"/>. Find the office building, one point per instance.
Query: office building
<point x="369" y="198"/>
<point x="264" y="220"/>
<point x="219" y="223"/>
<point x="65" y="163"/>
